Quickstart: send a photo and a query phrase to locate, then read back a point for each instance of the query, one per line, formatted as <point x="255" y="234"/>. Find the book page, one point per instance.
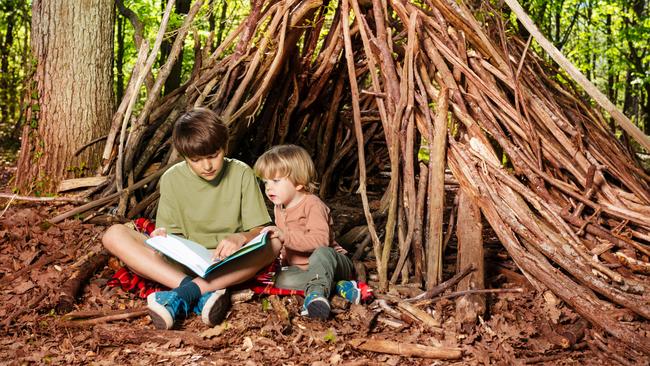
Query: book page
<point x="193" y="255"/>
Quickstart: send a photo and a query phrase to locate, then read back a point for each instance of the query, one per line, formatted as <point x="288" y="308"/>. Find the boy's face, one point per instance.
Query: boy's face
<point x="281" y="191"/>
<point x="207" y="167"/>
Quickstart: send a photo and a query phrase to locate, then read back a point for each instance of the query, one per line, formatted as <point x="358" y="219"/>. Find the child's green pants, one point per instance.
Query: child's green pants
<point x="326" y="268"/>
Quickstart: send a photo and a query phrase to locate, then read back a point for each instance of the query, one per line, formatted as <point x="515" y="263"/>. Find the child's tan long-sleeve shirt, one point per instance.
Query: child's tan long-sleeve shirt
<point x="306" y="227"/>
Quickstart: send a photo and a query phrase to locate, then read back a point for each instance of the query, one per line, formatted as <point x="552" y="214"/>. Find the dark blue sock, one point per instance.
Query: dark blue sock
<point x="188" y="291"/>
<point x="185" y="281"/>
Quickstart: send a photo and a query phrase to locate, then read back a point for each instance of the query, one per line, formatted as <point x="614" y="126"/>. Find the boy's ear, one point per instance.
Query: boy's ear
<point x="300" y="187"/>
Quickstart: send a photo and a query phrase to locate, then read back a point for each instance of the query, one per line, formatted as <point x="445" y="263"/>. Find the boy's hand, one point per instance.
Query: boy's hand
<point x="161" y="231"/>
<point x="275" y="232"/>
<point x="228" y="245"/>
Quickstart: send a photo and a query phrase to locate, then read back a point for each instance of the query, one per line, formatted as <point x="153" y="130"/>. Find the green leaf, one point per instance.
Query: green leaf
<point x="330" y="336"/>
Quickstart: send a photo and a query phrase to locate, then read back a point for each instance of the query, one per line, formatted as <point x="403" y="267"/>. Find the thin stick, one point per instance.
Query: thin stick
<point x="101" y="201"/>
<point x="100" y="138"/>
<point x="470" y="292"/>
<point x="8" y="204"/>
<point x="105" y="319"/>
<point x="443" y="286"/>
<point x="16" y="197"/>
<point x="359" y="135"/>
<point x="43" y="261"/>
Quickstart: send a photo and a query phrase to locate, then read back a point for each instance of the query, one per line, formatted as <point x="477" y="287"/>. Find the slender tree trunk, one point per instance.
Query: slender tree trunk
<point x="119" y="58"/>
<point x="174" y="79"/>
<point x="558" y="23"/>
<point x="24" y="60"/>
<point x="6" y="77"/>
<point x="646" y="110"/>
<point x="72" y="43"/>
<point x="222" y="21"/>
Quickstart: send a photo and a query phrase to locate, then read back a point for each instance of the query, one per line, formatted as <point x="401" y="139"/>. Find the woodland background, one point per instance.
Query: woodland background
<point x="303" y="98"/>
<point x="606" y="39"/>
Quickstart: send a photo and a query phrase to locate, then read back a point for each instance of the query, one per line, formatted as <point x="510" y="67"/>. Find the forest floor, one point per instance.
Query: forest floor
<point x="37" y="258"/>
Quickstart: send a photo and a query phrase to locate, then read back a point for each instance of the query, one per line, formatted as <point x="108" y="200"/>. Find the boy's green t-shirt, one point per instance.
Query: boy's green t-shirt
<point x="208" y="211"/>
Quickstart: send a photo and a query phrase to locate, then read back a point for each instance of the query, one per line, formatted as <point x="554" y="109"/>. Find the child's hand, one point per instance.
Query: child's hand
<point x="275" y="232"/>
<point x="228" y="245"/>
<point x="161" y="231"/>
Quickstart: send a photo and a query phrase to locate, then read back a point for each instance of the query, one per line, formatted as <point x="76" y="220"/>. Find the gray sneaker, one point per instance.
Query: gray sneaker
<point x="316" y="306"/>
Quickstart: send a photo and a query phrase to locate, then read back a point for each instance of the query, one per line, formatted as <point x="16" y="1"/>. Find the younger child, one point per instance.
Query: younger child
<point x="209" y="199"/>
<point x="303" y="225"/>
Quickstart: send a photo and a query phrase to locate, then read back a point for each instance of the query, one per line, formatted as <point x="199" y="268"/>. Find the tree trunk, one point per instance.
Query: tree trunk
<point x="72" y="99"/>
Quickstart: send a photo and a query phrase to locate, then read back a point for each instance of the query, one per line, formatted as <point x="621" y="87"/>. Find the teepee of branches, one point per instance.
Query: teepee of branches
<point x="362" y="84"/>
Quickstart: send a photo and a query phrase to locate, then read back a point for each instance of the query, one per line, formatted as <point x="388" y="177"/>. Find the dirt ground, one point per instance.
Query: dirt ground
<point x="37" y="259"/>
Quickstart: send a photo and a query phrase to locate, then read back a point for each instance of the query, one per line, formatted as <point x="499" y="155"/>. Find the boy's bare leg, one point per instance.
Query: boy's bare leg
<point x="129" y="246"/>
<point x="241" y="270"/>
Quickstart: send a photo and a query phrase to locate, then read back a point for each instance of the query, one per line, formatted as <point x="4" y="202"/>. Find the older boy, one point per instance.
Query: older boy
<point x="207" y="198"/>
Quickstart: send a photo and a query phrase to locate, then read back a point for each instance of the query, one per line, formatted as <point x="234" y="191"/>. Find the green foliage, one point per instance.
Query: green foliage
<point x="608" y="41"/>
<point x="14" y="68"/>
<point x="79" y="171"/>
<point x="150" y="14"/>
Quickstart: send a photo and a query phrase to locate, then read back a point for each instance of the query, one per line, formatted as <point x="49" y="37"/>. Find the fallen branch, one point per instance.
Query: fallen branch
<point x="406" y="349"/>
<point x="43" y="261"/>
<point x="83" y="319"/>
<point x="71" y="288"/>
<point x="117" y="335"/>
<point x="15" y="197"/>
<point x="420" y="315"/>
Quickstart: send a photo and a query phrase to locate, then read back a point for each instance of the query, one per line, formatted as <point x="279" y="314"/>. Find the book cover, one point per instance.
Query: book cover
<point x="195" y="256"/>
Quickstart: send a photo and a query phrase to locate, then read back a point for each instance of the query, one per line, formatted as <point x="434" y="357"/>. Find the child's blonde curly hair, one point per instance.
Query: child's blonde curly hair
<point x="290" y="161"/>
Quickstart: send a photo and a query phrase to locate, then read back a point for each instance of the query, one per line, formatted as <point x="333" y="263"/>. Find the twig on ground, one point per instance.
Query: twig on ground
<point x="406" y="349"/>
<point x="69" y="320"/>
<point x="468" y="292"/>
<point x="15" y="197"/>
<point x="443" y="286"/>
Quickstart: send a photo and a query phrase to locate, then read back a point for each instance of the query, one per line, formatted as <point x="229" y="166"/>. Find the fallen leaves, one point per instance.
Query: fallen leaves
<point x="251" y="335"/>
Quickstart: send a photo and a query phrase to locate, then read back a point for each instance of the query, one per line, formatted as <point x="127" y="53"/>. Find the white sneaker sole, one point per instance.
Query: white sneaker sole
<point x="215" y="309"/>
<point x="159" y="314"/>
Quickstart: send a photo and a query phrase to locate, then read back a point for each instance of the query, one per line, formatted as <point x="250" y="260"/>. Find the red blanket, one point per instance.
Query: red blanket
<point x="263" y="283"/>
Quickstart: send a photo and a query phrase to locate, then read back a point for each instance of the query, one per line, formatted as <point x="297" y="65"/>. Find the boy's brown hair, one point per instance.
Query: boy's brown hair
<point x="198" y="133"/>
<point x="290" y="161"/>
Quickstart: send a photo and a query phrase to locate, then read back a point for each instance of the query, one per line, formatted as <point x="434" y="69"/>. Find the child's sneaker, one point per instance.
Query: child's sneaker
<point x="165" y="307"/>
<point x="353" y="291"/>
<point x="316" y="306"/>
<point x="213" y="306"/>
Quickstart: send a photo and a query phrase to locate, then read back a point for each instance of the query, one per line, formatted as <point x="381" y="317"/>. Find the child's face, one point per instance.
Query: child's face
<point x="281" y="191"/>
<point x="207" y="167"/>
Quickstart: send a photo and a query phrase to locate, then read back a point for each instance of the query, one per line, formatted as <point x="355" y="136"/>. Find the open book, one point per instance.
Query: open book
<point x="195" y="256"/>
